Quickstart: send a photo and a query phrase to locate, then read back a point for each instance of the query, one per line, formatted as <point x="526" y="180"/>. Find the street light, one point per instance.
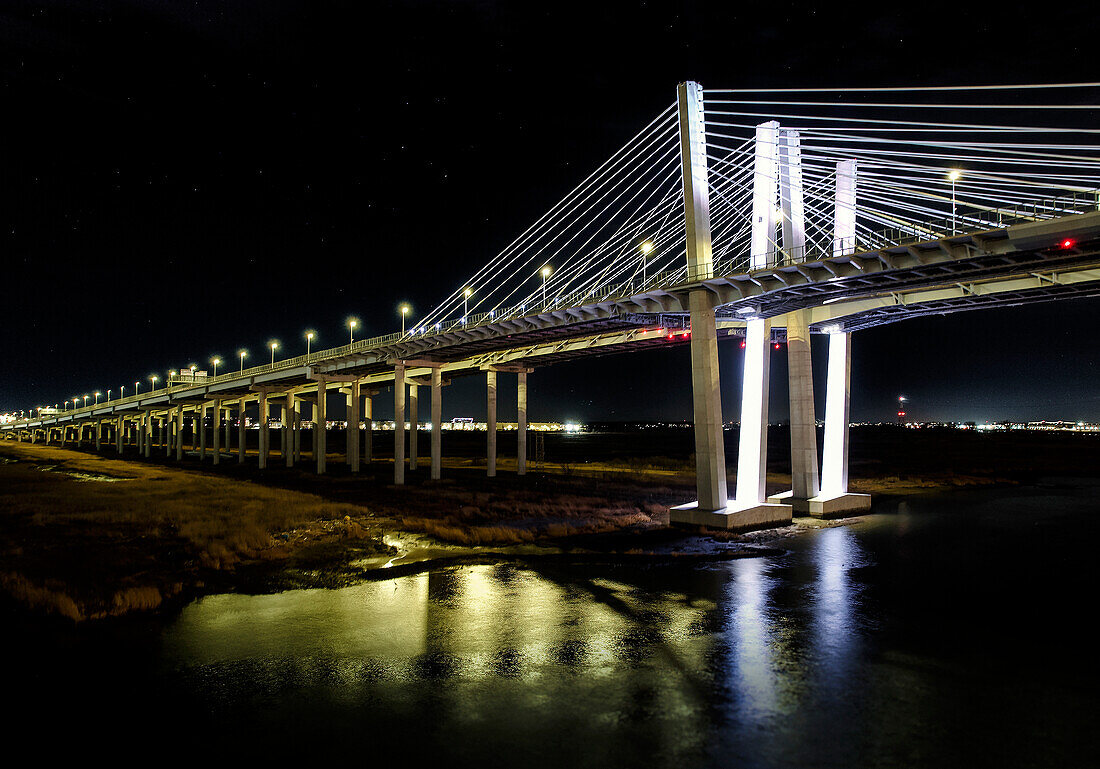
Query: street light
<point x="108" y="396"/>
<point x="242" y="353"/>
<point x="466" y="294"/>
<point x="122" y="394"/>
<point x="545" y="274"/>
<point x="309" y="341"/>
<point x="86" y="400"/>
<point x="274" y="345"/>
<point x="404" y="311"/>
<point x="137" y="387"/>
<point x="646" y="248"/>
<point x="153" y="381"/>
<point x="352" y="323"/>
<point x="214" y="362"/>
<point x="954" y="177"/>
<point x="96" y="401"/>
<point x="193" y="367"/>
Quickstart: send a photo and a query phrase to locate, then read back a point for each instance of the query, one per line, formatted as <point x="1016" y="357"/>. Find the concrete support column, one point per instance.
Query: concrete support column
<point x="217" y="428"/>
<point x="242" y="436"/>
<point x="297" y="430"/>
<point x="399" y="423"/>
<point x="265" y="436"/>
<point x="147" y="433"/>
<point x="710" y="448"/>
<point x="752" y="448"/>
<point x="201" y="424"/>
<point x="491" y="423"/>
<point x="804" y="477"/>
<point x="437" y="420"/>
<point x="368" y="432"/>
<point x="195" y="422"/>
<point x="288" y="430"/>
<point x="166" y="433"/>
<point x="119" y="430"/>
<point x="834" y="460"/>
<point x="414" y="419"/>
<point x="229" y="430"/>
<point x="179" y="433"/>
<point x="98" y="434"/>
<point x="320" y="426"/>
<point x="353" y="426"/>
<point x="521" y="423"/>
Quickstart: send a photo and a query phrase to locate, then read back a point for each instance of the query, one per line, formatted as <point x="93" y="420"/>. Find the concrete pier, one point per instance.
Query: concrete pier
<point x="414" y="418"/>
<point x="491" y="423"/>
<point x="320" y="425"/>
<point x="399" y="423"/>
<point x="265" y="434"/>
<point x="437" y="420"/>
<point x="521" y="423"/>
<point x="353" y="426"/>
<point x="217" y="429"/>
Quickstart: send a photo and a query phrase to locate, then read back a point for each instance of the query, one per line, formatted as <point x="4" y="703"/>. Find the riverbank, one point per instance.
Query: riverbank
<point x="87" y="536"/>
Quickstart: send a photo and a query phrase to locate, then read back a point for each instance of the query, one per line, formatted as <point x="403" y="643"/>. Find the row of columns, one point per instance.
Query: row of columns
<point x="170" y="424"/>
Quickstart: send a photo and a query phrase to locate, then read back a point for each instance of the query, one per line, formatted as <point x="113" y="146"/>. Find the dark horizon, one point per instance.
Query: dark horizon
<point x="184" y="183"/>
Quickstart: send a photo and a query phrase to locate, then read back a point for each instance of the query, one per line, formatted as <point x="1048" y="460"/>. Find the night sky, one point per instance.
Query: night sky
<point x="181" y="180"/>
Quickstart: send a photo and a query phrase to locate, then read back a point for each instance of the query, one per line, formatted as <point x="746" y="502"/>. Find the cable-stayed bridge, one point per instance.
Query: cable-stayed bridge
<point x="761" y="215"/>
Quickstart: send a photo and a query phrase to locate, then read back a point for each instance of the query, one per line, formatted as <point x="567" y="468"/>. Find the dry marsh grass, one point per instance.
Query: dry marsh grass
<point x="83" y="549"/>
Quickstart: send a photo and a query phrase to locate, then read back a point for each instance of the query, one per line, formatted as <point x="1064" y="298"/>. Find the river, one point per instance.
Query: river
<point x="947" y="630"/>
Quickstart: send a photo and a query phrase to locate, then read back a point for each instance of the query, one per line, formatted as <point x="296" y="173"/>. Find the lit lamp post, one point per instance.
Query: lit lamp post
<point x="137" y="387"/>
<point x="214" y="362"/>
<point x="545" y="274"/>
<point x="404" y="311"/>
<point x="352" y="323"/>
<point x="242" y="353"/>
<point x="86" y="400"/>
<point x="954" y="177"/>
<point x="274" y="345"/>
<point x="153" y="382"/>
<point x="466" y="294"/>
<point x="122" y="393"/>
<point x="96" y="401"/>
<point x="108" y="396"/>
<point x="646" y="248"/>
<point x="309" y="341"/>
<point x="193" y="367"/>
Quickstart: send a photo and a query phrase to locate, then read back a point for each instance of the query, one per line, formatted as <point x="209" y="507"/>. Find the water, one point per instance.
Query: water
<point x="947" y="632"/>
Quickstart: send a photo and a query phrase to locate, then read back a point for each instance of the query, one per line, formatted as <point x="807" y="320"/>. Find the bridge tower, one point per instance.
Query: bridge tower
<point x="713" y="507"/>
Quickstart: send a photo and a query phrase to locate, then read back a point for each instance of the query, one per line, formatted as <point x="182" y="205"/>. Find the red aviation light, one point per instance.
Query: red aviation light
<point x="742" y="344"/>
<point x="776" y="345"/>
<point x="1068" y="243"/>
<point x="901" y="413"/>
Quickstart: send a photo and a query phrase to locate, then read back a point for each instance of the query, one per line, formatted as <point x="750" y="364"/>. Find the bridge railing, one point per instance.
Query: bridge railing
<point x="964" y="222"/>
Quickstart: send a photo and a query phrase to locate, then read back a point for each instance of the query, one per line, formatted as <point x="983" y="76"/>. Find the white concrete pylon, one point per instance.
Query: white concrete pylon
<point x="242" y="436"/>
<point x="762" y="240"/>
<point x="791" y="203"/>
<point x="710" y="455"/>
<point x="368" y="427"/>
<point x="179" y="433"/>
<point x="834" y="462"/>
<point x="200" y="424"/>
<point x="752" y="449"/>
<point x="844" y="210"/>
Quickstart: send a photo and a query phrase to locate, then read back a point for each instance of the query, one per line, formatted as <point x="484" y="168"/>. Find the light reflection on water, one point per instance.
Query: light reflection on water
<point x="864" y="645"/>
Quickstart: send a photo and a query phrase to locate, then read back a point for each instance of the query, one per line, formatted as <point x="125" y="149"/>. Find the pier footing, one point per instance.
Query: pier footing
<point x="735" y="517"/>
<point x="825" y="505"/>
